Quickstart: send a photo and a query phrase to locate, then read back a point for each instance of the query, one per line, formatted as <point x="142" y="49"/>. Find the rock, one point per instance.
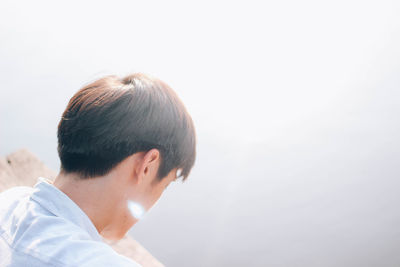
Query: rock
<point x="23" y="168"/>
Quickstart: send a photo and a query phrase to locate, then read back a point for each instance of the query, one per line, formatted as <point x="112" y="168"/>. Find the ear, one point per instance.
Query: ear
<point x="149" y="165"/>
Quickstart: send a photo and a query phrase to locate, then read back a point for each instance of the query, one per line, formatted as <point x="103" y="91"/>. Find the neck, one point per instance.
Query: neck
<point x="91" y="195"/>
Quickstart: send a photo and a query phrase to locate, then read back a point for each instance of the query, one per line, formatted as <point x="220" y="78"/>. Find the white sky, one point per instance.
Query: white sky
<point x="295" y="105"/>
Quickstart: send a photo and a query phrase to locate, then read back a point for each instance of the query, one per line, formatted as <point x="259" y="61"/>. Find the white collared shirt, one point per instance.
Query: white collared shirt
<point x="42" y="226"/>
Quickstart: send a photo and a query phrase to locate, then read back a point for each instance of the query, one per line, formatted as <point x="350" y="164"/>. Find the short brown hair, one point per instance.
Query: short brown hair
<point x="113" y="118"/>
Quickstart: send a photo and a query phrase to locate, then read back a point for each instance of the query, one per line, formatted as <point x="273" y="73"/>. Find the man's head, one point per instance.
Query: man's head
<point x="134" y="129"/>
<point x="112" y="118"/>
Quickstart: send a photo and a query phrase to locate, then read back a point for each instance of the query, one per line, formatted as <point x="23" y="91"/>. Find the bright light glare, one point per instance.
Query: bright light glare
<point x="136" y="209"/>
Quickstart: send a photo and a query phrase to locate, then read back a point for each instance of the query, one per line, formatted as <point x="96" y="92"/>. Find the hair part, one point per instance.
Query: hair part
<point x="113" y="118"/>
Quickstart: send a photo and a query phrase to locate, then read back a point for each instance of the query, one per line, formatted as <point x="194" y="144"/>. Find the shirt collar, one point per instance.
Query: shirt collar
<point x="58" y="203"/>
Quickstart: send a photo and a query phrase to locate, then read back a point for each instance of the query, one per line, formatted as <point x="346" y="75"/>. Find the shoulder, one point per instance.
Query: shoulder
<point x="60" y="243"/>
<point x="31" y="233"/>
<point x="10" y="201"/>
<point x="10" y="198"/>
<point x="14" y="194"/>
<point x="85" y="253"/>
<point x="56" y="240"/>
<point x="76" y="252"/>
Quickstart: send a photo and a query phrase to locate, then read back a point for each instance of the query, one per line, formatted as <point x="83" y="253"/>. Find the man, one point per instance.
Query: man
<point x="121" y="142"/>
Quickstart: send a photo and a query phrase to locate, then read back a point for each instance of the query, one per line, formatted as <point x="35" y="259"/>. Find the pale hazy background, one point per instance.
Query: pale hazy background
<point x="296" y="105"/>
